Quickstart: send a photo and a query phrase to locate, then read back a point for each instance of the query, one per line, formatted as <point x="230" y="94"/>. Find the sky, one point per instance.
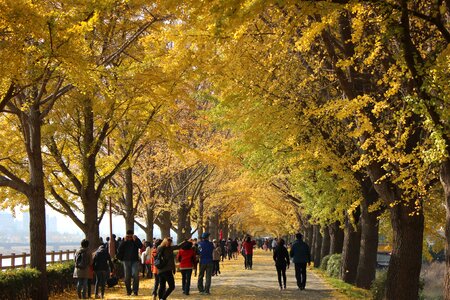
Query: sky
<point x="66" y="225"/>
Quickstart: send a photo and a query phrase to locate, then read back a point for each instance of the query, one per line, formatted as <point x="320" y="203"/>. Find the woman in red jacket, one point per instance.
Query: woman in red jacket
<point x="248" y="248"/>
<point x="186" y="256"/>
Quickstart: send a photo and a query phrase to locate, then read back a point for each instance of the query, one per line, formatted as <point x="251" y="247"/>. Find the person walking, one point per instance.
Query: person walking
<point x="166" y="270"/>
<point x="128" y="253"/>
<point x="156" y="244"/>
<point x="146" y="257"/>
<point x="217" y="253"/>
<point x="300" y="256"/>
<point x="195" y="247"/>
<point x="281" y="258"/>
<point x="234" y="248"/>
<point x="186" y="257"/>
<point x="206" y="249"/>
<point x="102" y="265"/>
<point x="248" y="248"/>
<point x="83" y="261"/>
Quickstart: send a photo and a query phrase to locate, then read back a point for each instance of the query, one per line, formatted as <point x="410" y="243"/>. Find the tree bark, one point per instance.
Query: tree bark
<point x="309" y="232"/>
<point x="350" y="252"/>
<point x="184" y="224"/>
<point x="317" y="245"/>
<point x="336" y="238"/>
<point x="406" y="258"/>
<point x="214" y="226"/>
<point x="165" y="224"/>
<point x="149" y="220"/>
<point x="129" y="205"/>
<point x="38" y="238"/>
<point x="313" y="242"/>
<point x="445" y="181"/>
<point x="369" y="239"/>
<point x="325" y="250"/>
<point x="200" y="221"/>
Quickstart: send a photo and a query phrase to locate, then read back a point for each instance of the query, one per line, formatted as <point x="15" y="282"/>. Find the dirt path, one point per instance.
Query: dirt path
<point x="237" y="283"/>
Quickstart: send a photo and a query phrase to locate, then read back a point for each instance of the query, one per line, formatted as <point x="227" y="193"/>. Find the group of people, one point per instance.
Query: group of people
<point x="157" y="260"/>
<point x="301" y="257"/>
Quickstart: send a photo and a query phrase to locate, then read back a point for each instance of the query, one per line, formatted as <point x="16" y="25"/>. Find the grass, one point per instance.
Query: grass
<point x="345" y="288"/>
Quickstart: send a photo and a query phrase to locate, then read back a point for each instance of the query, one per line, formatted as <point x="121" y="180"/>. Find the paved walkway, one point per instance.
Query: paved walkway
<point x="237" y="283"/>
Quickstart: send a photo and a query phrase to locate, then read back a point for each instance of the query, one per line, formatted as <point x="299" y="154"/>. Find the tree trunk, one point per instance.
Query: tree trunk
<point x="165" y="224"/>
<point x="184" y="226"/>
<point x="224" y="227"/>
<point x="313" y="242"/>
<point x="317" y="246"/>
<point x="336" y="238"/>
<point x="369" y="239"/>
<point x="445" y="181"/>
<point x="149" y="217"/>
<point x="129" y="206"/>
<point x="214" y="226"/>
<point x="350" y="252"/>
<point x="309" y="232"/>
<point x="200" y="221"/>
<point x="89" y="197"/>
<point x="36" y="199"/>
<point x="406" y="258"/>
<point x="325" y="250"/>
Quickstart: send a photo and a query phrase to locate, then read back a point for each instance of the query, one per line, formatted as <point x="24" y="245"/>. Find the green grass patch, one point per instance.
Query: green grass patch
<point x="349" y="290"/>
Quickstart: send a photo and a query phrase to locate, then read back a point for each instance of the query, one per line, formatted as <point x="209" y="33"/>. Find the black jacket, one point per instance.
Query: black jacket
<point x="102" y="259"/>
<point x="300" y="252"/>
<point x="129" y="250"/>
<point x="281" y="257"/>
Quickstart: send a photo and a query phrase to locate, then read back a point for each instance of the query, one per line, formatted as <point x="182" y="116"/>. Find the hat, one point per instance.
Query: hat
<point x="205" y="235"/>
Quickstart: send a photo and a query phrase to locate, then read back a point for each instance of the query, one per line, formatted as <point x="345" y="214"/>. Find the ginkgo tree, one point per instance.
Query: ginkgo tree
<point x="340" y="62"/>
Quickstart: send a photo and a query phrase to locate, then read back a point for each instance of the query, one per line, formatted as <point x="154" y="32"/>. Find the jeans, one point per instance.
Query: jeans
<point x="100" y="281"/>
<point x="131" y="269"/>
<point x="281" y="271"/>
<point x="300" y="274"/>
<point x="208" y="268"/>
<point x="156" y="285"/>
<point x="82" y="288"/>
<point x="186" y="280"/>
<point x="164" y="277"/>
<point x="249" y="261"/>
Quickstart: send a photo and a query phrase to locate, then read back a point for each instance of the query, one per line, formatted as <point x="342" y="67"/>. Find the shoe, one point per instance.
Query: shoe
<point x="281" y="288"/>
<point x="207" y="293"/>
<point x="201" y="293"/>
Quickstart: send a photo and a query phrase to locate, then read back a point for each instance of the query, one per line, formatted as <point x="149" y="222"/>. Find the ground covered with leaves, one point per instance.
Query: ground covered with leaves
<point x="235" y="282"/>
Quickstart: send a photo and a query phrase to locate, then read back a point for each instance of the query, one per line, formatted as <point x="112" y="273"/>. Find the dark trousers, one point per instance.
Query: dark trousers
<point x="300" y="274"/>
<point x="281" y="272"/>
<point x="186" y="280"/>
<point x="100" y="281"/>
<point x="205" y="271"/>
<point x="82" y="288"/>
<point x="216" y="267"/>
<point x="249" y="261"/>
<point x="156" y="285"/>
<point x="164" y="277"/>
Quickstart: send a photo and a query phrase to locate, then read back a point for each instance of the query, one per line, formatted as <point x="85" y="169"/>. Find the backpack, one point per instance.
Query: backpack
<point x="81" y="260"/>
<point x="112" y="281"/>
<point x="160" y="261"/>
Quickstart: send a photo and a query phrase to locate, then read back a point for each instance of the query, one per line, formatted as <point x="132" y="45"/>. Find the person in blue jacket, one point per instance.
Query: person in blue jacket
<point x="205" y="248"/>
<point x="300" y="257"/>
